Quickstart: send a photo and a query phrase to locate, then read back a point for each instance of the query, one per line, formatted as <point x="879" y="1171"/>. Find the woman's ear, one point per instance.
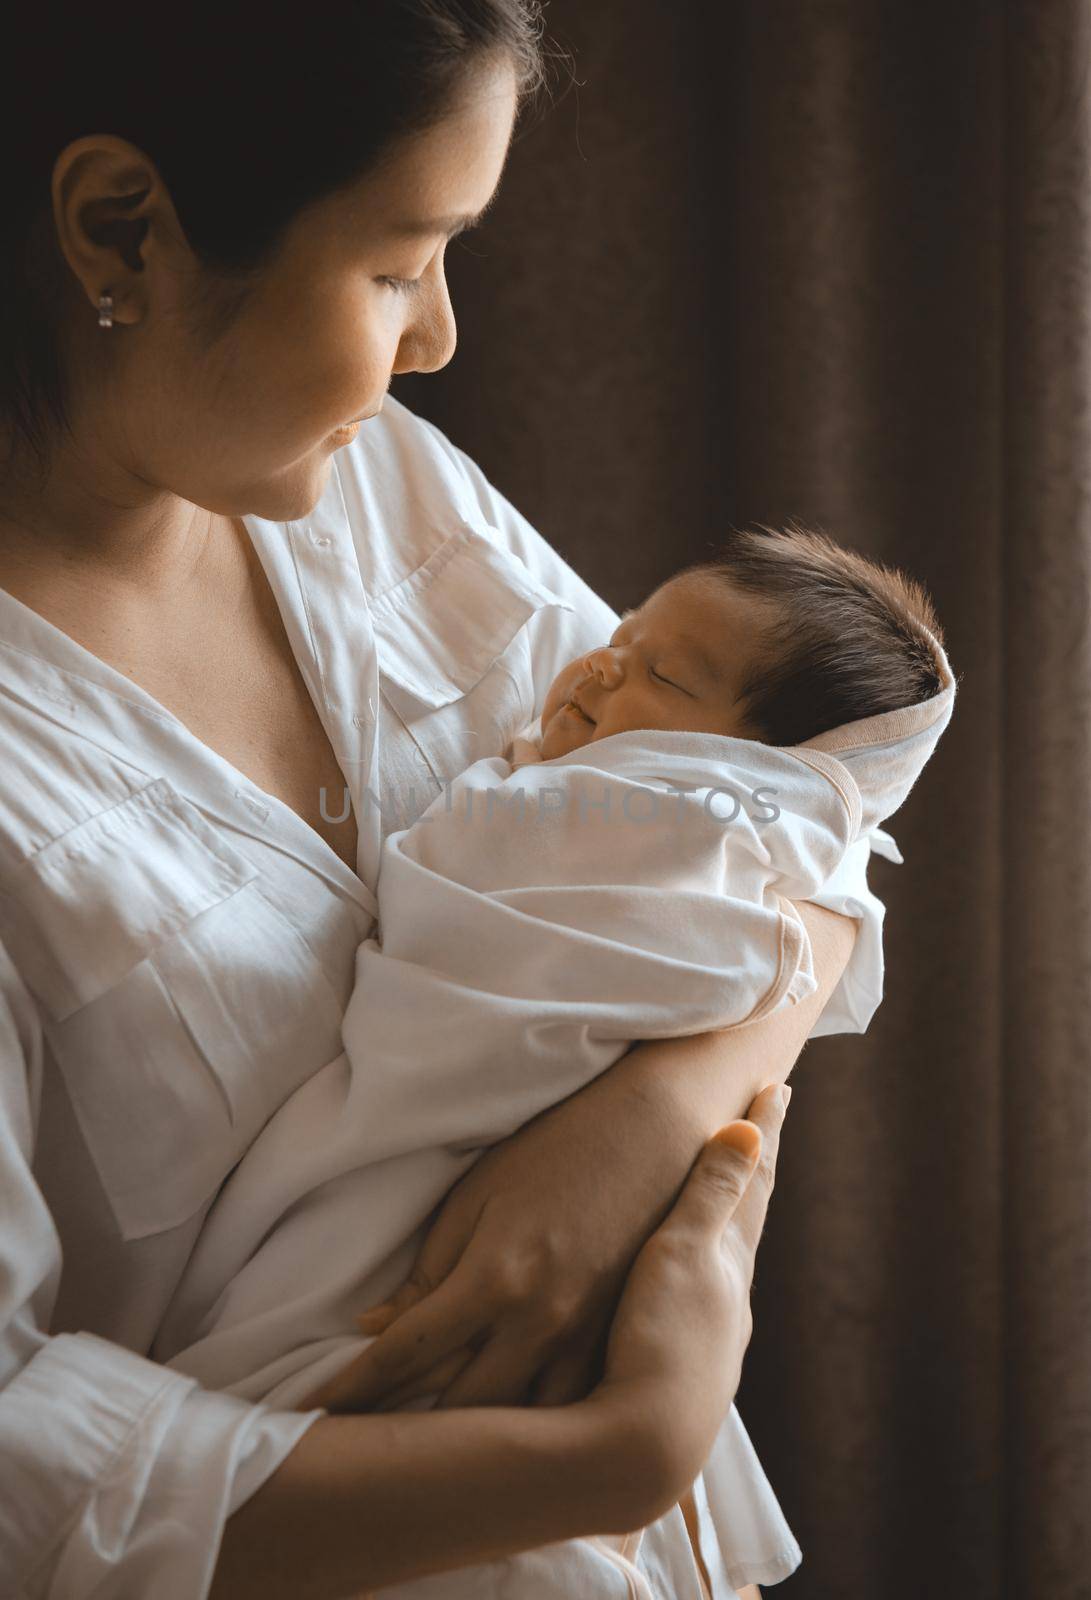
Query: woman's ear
<point x="115" y="222"/>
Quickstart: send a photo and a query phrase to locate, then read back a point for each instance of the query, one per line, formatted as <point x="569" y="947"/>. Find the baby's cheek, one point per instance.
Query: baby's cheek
<point x="561" y="689"/>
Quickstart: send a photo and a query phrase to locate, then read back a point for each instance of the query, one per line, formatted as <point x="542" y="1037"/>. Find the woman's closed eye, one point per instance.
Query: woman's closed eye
<point x="399" y="285"/>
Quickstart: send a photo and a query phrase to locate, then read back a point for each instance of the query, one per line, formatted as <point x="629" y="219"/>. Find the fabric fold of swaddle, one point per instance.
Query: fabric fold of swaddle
<point x="886" y="754"/>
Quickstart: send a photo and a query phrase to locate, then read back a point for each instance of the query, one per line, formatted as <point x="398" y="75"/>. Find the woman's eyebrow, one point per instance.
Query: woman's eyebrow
<point x="435" y="227"/>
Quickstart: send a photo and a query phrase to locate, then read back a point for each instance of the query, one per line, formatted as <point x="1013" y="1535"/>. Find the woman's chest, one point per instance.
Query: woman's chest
<point x="246" y="699"/>
<point x="224" y="666"/>
<point x="191" y="949"/>
<point x="190" y="963"/>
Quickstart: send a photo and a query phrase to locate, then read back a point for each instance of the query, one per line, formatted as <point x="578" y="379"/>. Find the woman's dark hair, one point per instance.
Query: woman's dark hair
<point x="250" y="113"/>
<point x="846" y="638"/>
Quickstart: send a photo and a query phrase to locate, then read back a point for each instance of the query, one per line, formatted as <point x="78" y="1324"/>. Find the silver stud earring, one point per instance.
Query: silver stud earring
<point x="105" y="310"/>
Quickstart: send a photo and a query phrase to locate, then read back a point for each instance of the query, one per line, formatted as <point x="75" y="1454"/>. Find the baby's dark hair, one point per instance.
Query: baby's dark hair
<point x="848" y="637"/>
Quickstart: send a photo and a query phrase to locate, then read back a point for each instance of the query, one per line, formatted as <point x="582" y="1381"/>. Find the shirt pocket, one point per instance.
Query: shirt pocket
<point x="452" y="663"/>
<point x="179" y="1003"/>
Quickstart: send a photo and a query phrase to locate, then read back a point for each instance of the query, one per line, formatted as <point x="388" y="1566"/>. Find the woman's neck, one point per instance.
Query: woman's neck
<point x="90" y="519"/>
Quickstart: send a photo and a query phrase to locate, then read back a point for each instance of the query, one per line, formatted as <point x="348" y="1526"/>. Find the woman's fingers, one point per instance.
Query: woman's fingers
<point x="499" y="1375"/>
<point x="432" y="1382"/>
<point x="718" y="1180"/>
<point x="436" y="1327"/>
<point x="570" y="1377"/>
<point x="767" y="1114"/>
<point x="732" y="1178"/>
<point x="767" y="1109"/>
<point x="418" y="1284"/>
<point x="377" y="1320"/>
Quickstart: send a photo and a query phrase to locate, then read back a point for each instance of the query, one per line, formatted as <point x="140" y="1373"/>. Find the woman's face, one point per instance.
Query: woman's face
<point x="355" y="293"/>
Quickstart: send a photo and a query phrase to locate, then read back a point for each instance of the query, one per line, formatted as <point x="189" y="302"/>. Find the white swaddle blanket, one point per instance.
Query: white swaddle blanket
<point x="535" y="921"/>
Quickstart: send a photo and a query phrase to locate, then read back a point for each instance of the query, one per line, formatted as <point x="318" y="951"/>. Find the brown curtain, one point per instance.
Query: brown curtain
<point x="829" y="259"/>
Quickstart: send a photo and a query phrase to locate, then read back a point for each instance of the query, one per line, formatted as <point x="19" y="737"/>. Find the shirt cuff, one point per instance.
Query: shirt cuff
<point x="119" y="1474"/>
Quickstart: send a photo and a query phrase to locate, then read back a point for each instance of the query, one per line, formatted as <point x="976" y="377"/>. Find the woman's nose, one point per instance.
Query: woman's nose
<point x="429" y="340"/>
<point x="605" y="665"/>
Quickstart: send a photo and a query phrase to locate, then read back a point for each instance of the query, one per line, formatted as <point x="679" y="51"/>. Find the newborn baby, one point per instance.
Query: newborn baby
<point x="628" y="874"/>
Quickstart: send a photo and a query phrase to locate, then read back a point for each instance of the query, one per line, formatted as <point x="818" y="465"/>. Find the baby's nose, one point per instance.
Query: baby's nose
<point x="605" y="665"/>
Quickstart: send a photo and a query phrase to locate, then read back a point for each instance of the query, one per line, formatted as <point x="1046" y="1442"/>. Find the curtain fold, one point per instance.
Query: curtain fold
<point x="829" y="260"/>
<point x="1046" y="973"/>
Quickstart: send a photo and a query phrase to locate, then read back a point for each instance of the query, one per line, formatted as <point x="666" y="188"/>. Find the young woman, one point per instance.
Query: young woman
<point x="215" y="254"/>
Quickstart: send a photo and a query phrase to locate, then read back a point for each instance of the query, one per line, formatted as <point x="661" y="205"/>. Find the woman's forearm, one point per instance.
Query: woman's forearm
<point x="366" y="1501"/>
<point x="704" y="1081"/>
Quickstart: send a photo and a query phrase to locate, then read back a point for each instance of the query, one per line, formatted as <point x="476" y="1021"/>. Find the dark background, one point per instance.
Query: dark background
<point x="795" y="258"/>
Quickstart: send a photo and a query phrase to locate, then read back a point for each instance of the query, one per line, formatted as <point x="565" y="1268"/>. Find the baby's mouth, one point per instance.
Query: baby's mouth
<point x="579" y="713"/>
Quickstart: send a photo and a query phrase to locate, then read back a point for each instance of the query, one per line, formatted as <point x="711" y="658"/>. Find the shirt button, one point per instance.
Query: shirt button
<point x="321" y="540"/>
<point x="255" y="804"/>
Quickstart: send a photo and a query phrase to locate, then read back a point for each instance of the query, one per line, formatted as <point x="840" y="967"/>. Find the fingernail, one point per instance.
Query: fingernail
<point x="741" y="1136"/>
<point x="785" y="1094"/>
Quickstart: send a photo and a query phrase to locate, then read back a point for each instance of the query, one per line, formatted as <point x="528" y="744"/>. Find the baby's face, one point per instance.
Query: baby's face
<point x="677" y="662"/>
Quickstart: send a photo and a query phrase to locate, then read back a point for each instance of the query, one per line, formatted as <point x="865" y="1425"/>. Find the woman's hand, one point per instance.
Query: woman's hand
<point x="675" y="1350"/>
<point x="512" y="1297"/>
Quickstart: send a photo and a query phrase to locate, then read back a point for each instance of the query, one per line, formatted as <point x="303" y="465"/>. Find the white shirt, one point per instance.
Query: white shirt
<point x="176" y="952"/>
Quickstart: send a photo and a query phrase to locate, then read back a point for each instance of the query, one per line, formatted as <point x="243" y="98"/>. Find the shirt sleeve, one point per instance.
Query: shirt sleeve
<point x="556" y="636"/>
<point x="116" y="1474"/>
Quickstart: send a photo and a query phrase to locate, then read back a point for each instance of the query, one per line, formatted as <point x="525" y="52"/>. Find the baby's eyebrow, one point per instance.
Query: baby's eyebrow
<point x="711" y="669"/>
